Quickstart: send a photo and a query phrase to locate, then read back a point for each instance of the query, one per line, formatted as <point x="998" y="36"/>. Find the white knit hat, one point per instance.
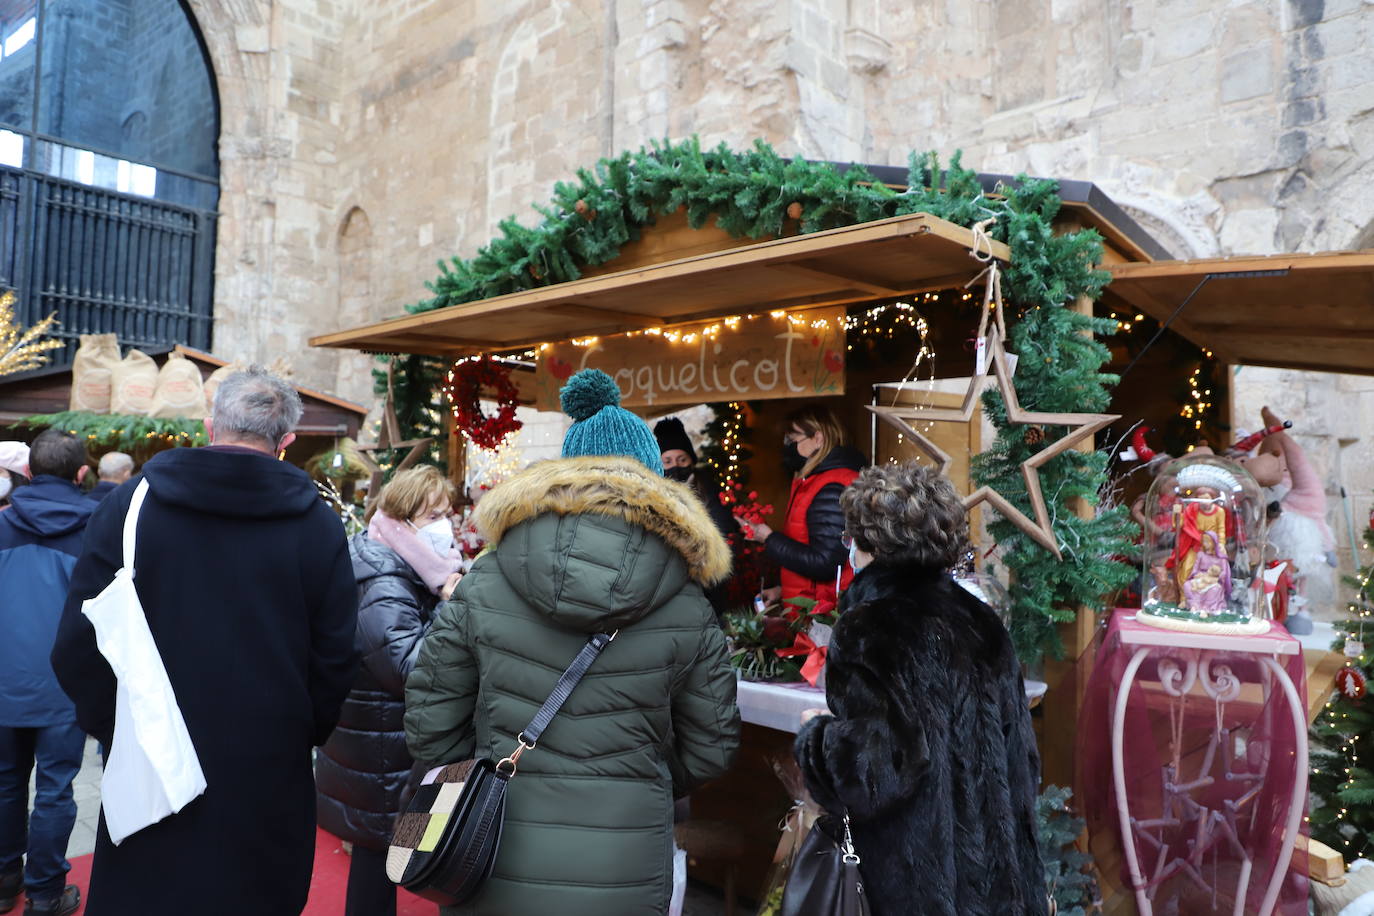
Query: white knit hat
<point x="14" y="457"/>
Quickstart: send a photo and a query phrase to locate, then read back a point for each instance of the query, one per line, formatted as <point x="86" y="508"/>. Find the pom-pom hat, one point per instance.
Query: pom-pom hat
<point x="601" y="426"/>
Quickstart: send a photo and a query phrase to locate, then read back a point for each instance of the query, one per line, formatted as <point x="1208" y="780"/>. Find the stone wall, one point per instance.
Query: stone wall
<point x="1224" y="126"/>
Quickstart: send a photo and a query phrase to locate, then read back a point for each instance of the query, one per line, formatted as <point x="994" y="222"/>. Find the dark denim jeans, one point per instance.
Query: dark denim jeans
<point x="57" y="752"/>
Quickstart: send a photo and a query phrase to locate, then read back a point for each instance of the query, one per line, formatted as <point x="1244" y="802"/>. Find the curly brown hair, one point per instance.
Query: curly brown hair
<point x="906" y="513"/>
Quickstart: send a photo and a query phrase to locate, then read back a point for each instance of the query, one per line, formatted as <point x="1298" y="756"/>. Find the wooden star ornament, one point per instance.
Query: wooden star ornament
<point x="1082" y="426"/>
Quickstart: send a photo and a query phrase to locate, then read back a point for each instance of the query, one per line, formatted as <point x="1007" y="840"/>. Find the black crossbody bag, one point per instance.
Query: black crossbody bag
<point x="444" y="844"/>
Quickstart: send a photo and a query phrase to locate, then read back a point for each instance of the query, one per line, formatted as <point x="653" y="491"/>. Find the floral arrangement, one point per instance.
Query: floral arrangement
<point x="746" y="508"/>
<point x="466" y="381"/>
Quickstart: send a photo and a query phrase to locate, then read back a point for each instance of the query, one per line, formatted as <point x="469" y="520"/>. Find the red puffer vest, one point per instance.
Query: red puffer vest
<point x="795" y="585"/>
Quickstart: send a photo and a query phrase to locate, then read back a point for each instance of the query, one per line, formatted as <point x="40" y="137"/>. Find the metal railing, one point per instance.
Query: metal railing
<point x="106" y="262"/>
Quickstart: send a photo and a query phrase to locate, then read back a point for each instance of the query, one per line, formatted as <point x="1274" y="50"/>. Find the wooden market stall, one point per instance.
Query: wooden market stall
<point x="326" y="418"/>
<point x="675" y="278"/>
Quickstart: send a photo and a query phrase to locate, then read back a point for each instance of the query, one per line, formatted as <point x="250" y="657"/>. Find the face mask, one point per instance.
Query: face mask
<point x="438" y="535"/>
<point x="1277" y="492"/>
<point x="4" y="485"/>
<point x="680" y="474"/>
<point x="792" y="458"/>
<point x="854" y="557"/>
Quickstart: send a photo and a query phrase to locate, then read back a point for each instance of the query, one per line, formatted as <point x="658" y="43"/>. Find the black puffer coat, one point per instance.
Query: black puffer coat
<point x="362" y="770"/>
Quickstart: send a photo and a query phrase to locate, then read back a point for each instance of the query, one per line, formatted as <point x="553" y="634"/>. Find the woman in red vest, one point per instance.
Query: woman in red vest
<point x="808" y="548"/>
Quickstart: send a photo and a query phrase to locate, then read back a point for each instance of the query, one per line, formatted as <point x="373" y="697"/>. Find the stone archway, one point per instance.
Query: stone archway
<point x="236" y="35"/>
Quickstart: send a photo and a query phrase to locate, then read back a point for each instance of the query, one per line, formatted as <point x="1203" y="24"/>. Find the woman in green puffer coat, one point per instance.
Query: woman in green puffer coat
<point x="595" y="542"/>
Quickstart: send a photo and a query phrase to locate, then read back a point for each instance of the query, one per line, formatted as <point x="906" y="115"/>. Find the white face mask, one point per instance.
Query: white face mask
<point x="854" y="556"/>
<point x="5" y="485"/>
<point x="438" y="535"/>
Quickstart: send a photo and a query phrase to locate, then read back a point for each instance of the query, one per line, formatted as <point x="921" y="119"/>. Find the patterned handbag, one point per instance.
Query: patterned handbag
<point x="444" y="844"/>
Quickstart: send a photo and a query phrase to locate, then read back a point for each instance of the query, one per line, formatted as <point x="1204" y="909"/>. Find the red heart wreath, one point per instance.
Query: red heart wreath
<point x="466" y="381"/>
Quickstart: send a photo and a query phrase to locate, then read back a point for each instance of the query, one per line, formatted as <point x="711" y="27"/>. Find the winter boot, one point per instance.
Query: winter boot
<point x="64" y="904"/>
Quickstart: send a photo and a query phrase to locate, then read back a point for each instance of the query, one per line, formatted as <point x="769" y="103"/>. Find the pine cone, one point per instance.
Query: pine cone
<point x="794" y="210"/>
<point x="584" y="211"/>
<point x="1034" y="435"/>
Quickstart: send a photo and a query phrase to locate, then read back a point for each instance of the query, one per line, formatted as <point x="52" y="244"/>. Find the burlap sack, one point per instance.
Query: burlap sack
<point x="212" y="383"/>
<point x="180" y="390"/>
<point x="135" y="381"/>
<point x="93" y="372"/>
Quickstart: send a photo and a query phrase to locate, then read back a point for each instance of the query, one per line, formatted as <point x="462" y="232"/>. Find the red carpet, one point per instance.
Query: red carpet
<point x="327" y="888"/>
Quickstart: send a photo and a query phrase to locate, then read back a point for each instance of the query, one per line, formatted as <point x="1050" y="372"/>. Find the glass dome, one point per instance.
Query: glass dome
<point x="1204" y="547"/>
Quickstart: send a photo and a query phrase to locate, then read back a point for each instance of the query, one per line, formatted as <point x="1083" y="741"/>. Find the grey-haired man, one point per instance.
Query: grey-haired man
<point x="244" y="577"/>
<point x="114" y="468"/>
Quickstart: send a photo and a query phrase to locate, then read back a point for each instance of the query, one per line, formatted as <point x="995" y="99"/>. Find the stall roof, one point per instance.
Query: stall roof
<point x="886" y="258"/>
<point x="1080" y="198"/>
<point x="1296" y="311"/>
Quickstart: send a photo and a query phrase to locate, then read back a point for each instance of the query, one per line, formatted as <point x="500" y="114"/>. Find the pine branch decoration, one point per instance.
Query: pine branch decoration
<point x="756" y="193"/>
<point x="22" y="349"/>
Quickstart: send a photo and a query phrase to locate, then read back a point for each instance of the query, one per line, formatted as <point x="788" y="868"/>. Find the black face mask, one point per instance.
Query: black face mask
<point x="792" y="459"/>
<point x="680" y="474"/>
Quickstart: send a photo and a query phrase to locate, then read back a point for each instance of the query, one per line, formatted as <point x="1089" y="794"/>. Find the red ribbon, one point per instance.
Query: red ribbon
<point x="815" y="661"/>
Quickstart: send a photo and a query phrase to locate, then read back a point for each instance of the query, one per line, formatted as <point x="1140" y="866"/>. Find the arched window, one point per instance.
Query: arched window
<point x="355" y="268"/>
<point x="109" y="170"/>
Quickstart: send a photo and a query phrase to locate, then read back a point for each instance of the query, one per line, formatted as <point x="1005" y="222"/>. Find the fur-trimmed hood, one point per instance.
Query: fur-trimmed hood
<point x="617" y="488"/>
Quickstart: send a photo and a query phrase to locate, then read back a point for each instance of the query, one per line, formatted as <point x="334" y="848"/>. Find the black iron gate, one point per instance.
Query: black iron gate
<point x="106" y="262"/>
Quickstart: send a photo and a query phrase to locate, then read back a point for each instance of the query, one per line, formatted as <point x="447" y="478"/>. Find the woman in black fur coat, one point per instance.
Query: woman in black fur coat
<point x="930" y="749"/>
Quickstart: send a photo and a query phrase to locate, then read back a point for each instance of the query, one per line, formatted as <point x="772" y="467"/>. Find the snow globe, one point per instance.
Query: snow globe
<point x="1204" y="548"/>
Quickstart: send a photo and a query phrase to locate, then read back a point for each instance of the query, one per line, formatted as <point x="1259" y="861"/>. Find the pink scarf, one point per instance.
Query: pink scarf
<point x="415" y="550"/>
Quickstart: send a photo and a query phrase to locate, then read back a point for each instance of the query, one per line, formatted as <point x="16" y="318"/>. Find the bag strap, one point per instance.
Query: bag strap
<point x="131" y="523"/>
<point x="561" y="691"/>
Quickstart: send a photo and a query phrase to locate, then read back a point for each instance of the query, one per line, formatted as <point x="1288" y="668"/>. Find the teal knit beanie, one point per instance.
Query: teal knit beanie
<point x="601" y="426"/>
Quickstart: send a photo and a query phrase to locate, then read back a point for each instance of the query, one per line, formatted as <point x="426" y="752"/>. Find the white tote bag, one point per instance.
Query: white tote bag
<point x="152" y="769"/>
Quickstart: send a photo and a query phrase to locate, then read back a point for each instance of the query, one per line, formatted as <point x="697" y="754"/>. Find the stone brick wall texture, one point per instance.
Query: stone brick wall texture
<point x="1224" y="126"/>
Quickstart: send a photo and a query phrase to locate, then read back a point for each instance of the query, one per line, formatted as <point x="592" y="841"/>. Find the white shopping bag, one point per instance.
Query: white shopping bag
<point x="152" y="769"/>
<point x="679" y="882"/>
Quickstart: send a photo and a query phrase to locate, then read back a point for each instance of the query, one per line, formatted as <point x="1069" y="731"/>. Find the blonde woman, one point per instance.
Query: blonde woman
<point x="808" y="549"/>
<point x="405" y="564"/>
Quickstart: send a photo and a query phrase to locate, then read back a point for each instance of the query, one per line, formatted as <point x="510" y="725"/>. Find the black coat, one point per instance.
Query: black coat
<point x="930" y="750"/>
<point x="362" y="770"/>
<point x="244" y="577"/>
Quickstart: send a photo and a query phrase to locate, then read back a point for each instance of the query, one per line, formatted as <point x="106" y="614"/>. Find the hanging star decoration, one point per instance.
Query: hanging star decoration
<point x="1081" y="425"/>
<point x="389" y="439"/>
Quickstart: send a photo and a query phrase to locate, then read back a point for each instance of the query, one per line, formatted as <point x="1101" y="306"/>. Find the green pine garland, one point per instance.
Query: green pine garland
<point x="1067" y="875"/>
<point x="1344" y="734"/>
<point x="749" y="193"/>
<point x="139" y="436"/>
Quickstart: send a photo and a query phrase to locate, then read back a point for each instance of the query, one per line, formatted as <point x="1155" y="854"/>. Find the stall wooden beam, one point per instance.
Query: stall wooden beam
<point x="902" y="255"/>
<point x="1262" y="311"/>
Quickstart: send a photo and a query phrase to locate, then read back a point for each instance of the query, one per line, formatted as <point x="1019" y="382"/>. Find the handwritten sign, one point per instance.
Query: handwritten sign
<point x="797" y="355"/>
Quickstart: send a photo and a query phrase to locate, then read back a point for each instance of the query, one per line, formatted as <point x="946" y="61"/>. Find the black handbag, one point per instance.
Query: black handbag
<point x="825" y="879"/>
<point x="444" y="844"/>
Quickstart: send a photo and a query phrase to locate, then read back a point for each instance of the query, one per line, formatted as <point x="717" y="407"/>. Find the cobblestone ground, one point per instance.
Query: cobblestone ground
<point x="701" y="900"/>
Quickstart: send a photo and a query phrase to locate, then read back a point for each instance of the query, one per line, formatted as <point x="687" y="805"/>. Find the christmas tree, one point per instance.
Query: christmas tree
<point x="1343" y="734"/>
